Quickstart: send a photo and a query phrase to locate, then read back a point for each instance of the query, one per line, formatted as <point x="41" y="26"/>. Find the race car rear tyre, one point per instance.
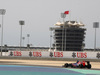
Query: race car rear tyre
<point x="66" y="65"/>
<point x="89" y="66"/>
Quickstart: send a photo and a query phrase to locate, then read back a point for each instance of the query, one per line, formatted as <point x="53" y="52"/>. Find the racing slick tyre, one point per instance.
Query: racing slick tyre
<point x="66" y="65"/>
<point x="80" y="66"/>
<point x="89" y="66"/>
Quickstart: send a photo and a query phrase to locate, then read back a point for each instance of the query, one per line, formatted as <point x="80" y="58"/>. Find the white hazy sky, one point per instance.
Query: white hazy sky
<point x="39" y="15"/>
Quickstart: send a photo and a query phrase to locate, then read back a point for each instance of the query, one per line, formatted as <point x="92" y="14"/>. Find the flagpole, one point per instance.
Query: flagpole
<point x="63" y="15"/>
<point x="65" y="38"/>
<point x="66" y="12"/>
<point x="69" y="15"/>
<point x="62" y="34"/>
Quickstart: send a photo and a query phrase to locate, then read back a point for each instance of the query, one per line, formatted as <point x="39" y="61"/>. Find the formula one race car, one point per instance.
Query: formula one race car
<point x="78" y="64"/>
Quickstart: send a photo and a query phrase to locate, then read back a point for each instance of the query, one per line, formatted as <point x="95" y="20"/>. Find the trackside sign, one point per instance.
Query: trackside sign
<point x="56" y="54"/>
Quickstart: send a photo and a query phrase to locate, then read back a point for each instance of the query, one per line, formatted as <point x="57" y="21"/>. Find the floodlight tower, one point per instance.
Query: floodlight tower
<point x="51" y="29"/>
<point x="21" y="23"/>
<point x="23" y="40"/>
<point x="95" y="25"/>
<point x="2" y="12"/>
<point x="28" y="35"/>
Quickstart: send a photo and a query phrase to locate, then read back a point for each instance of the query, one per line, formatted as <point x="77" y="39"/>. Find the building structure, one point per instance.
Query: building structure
<point x="69" y="36"/>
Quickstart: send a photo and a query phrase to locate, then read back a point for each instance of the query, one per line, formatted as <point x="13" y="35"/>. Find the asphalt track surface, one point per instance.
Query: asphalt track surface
<point x="37" y="70"/>
<point x="11" y="66"/>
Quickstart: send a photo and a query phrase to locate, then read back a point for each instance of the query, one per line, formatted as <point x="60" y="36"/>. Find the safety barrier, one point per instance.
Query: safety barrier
<point x="56" y="54"/>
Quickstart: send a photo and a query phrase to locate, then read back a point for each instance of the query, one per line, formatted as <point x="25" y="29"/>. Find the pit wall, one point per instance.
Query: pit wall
<point x="52" y="54"/>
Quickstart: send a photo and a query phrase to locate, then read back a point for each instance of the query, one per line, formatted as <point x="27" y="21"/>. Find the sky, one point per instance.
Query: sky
<point x="40" y="15"/>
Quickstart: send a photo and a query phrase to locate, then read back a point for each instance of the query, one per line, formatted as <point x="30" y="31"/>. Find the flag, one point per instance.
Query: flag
<point x="66" y="12"/>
